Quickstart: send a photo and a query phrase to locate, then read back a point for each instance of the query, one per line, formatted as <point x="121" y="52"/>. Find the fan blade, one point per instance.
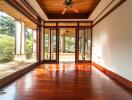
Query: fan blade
<point x="64" y="10"/>
<point x="75" y="10"/>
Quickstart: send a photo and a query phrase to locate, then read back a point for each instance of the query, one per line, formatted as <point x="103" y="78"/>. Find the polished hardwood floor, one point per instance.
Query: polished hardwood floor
<point x="67" y="81"/>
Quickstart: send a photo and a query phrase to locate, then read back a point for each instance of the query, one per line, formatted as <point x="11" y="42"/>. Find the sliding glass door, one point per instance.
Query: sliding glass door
<point x="50" y="45"/>
<point x="67" y="44"/>
<point x="83" y="45"/>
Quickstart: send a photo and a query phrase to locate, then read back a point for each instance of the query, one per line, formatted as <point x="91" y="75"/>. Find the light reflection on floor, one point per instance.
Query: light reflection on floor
<point x="68" y="81"/>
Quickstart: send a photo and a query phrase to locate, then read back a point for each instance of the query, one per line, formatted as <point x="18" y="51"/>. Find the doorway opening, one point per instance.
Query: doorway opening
<point x="67" y="43"/>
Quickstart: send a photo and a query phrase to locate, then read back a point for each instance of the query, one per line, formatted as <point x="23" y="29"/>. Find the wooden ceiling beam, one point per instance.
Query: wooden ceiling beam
<point x="20" y="8"/>
<point x="68" y="16"/>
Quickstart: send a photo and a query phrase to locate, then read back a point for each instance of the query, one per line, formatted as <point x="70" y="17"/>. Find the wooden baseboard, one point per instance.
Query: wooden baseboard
<point x="113" y="75"/>
<point x="7" y="80"/>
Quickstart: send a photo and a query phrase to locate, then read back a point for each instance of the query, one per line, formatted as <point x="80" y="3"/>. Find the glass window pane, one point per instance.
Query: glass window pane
<point x="81" y="44"/>
<point x="50" y="44"/>
<point x="29" y="47"/>
<point x="88" y="44"/>
<point x="84" y="24"/>
<point x="53" y="44"/>
<point x="47" y="44"/>
<point x="67" y="24"/>
<point x="7" y="38"/>
<point x="50" y="24"/>
<point x="84" y="44"/>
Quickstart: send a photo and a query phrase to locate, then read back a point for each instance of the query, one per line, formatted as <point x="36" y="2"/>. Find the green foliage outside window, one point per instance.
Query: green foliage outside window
<point x="7" y="39"/>
<point x="70" y="44"/>
<point x="28" y="44"/>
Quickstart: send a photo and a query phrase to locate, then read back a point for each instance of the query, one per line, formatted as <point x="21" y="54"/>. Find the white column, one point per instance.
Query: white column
<point x="22" y="38"/>
<point x="34" y="44"/>
<point x="18" y="37"/>
<point x="20" y="41"/>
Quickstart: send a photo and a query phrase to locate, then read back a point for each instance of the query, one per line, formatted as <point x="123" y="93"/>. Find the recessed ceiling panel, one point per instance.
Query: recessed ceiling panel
<point x="68" y="9"/>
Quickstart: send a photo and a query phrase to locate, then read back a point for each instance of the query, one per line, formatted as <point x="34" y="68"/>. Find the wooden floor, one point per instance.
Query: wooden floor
<point x="66" y="82"/>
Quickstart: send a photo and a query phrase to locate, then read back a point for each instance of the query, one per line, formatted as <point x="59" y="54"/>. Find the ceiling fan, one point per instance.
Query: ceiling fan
<point x="70" y="4"/>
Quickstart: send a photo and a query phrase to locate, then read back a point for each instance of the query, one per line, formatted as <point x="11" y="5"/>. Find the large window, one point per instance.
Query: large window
<point x="30" y="45"/>
<point x="17" y="45"/>
<point x="7" y="38"/>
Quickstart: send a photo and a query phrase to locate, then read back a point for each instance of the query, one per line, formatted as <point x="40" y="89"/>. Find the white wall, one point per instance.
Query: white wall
<point x="112" y="41"/>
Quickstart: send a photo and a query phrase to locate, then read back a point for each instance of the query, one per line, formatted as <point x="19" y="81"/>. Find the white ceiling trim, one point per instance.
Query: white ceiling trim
<point x="34" y="4"/>
<point x="106" y="10"/>
<point x="103" y="7"/>
<point x="100" y="7"/>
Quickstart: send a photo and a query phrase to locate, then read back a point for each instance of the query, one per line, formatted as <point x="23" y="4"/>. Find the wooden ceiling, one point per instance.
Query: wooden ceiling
<point x="54" y="8"/>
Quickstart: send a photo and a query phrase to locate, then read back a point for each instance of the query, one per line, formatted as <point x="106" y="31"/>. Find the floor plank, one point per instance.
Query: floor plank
<point x="67" y="81"/>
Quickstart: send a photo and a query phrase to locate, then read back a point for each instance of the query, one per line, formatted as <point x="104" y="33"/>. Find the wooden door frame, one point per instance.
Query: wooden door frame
<point x="77" y="46"/>
<point x="56" y="60"/>
<point x="76" y="40"/>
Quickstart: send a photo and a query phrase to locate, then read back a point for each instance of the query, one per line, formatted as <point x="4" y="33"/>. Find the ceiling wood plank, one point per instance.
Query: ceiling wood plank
<point x="54" y="8"/>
